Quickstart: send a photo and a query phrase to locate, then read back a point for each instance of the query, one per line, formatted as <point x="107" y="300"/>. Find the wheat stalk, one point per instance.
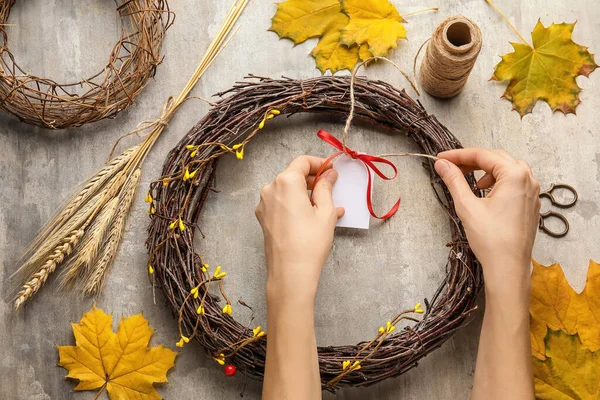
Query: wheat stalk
<point x="80" y="218"/>
<point x="37" y="280"/>
<point x="94" y="281"/>
<point x="83" y="215"/>
<point x="35" y="271"/>
<point x="43" y="241"/>
<point x="86" y="252"/>
<point x="96" y="182"/>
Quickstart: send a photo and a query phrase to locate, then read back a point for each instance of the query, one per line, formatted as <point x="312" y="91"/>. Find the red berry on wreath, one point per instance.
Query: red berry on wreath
<point x="230" y="370"/>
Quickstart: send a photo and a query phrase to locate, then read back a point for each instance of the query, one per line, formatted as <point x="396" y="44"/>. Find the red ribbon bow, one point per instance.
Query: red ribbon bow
<point x="369" y="162"/>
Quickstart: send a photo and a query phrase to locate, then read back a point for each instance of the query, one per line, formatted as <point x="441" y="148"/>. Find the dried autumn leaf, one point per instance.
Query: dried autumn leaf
<point x="364" y="53"/>
<point x="555" y="304"/>
<point x="570" y="371"/>
<point x="376" y="23"/>
<point x="545" y="71"/>
<point x="330" y="54"/>
<point x="122" y="362"/>
<point x="299" y="20"/>
<point x="538" y="330"/>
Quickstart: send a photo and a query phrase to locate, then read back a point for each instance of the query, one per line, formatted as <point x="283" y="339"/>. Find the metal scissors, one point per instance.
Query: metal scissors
<point x="549" y="214"/>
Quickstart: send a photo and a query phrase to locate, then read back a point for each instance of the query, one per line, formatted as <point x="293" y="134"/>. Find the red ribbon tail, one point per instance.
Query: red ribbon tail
<point x="387" y="215"/>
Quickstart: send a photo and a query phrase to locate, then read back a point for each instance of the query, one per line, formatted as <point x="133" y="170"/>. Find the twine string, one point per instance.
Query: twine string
<point x="147" y="125"/>
<point x="450" y="57"/>
<point x="412" y="82"/>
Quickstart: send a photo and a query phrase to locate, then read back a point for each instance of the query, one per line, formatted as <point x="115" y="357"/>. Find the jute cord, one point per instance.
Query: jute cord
<point x="450" y="56"/>
<point x="348" y="124"/>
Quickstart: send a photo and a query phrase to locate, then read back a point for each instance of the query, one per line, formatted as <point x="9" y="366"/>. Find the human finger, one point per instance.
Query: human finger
<point x="322" y="192"/>
<point x="504" y="154"/>
<point x="527" y="166"/>
<point x="307" y="165"/>
<point x="468" y="169"/>
<point x="455" y="181"/>
<point x="486" y="181"/>
<point x="297" y="173"/>
<point x="484" y="159"/>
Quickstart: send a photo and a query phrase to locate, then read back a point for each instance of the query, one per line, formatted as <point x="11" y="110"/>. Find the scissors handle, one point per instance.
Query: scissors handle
<point x="549" y="195"/>
<point x="545" y="229"/>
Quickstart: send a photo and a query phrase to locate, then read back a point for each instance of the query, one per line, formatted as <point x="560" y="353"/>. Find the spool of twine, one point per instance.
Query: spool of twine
<point x="450" y="57"/>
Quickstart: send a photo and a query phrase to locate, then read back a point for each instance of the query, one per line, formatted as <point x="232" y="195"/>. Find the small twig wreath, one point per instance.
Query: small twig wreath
<point x="178" y="197"/>
<point x="132" y="62"/>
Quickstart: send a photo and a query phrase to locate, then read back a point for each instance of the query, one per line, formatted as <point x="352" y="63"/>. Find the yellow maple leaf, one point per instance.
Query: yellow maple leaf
<point x="330" y="53"/>
<point x="538" y="330"/>
<point x="373" y="22"/>
<point x="555" y="304"/>
<point x="364" y="53"/>
<point x="570" y="371"/>
<point x="122" y="362"/>
<point x="545" y="71"/>
<point x="300" y="20"/>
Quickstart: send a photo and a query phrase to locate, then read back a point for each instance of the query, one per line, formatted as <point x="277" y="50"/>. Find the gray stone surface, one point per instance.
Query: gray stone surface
<point x="369" y="275"/>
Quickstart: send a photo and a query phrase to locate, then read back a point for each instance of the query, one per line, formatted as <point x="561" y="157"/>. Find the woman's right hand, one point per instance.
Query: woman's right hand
<point x="501" y="227"/>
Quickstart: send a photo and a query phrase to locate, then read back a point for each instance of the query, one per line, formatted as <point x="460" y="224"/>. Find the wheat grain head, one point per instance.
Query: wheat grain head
<point x="86" y="252"/>
<point x="37" y="280"/>
<point x="94" y="280"/>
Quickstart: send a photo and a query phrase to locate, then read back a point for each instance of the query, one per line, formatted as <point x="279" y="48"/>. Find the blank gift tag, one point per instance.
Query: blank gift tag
<point x="350" y="192"/>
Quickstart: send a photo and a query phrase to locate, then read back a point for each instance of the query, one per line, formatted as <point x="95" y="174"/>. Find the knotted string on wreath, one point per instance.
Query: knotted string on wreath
<point x="368" y="161"/>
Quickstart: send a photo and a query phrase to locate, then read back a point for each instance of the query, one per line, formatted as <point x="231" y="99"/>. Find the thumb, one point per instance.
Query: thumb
<point x="454" y="180"/>
<point x="322" y="192"/>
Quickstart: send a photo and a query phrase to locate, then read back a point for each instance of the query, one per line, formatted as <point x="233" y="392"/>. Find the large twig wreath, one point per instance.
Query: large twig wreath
<point x="132" y="62"/>
<point x="178" y="197"/>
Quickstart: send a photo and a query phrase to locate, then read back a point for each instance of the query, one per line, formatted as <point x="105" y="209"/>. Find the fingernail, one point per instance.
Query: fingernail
<point x="330" y="175"/>
<point x="442" y="167"/>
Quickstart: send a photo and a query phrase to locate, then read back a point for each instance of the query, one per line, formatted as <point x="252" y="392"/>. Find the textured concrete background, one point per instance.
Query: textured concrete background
<point x="369" y="276"/>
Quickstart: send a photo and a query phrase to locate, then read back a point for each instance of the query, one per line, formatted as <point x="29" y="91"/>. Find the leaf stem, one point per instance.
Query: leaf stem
<point x="100" y="391"/>
<point x="507" y="21"/>
<point x="420" y="11"/>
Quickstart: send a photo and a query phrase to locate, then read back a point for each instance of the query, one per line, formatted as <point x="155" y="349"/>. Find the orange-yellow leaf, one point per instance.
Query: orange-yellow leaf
<point x="555" y="304"/>
<point x="546" y="71"/>
<point x="121" y="362"/>
<point x="570" y="371"/>
<point x="300" y="20"/>
<point x="363" y="52"/>
<point x="538" y="330"/>
<point x="373" y="22"/>
<point x="330" y="54"/>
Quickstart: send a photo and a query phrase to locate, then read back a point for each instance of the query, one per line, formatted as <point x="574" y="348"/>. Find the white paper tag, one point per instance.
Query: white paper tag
<point x="350" y="192"/>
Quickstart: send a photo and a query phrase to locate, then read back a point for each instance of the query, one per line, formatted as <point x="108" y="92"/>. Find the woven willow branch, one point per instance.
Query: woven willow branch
<point x="131" y="64"/>
<point x="188" y="173"/>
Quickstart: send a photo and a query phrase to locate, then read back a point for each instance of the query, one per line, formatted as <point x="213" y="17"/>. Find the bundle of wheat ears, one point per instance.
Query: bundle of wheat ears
<point x="84" y="236"/>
